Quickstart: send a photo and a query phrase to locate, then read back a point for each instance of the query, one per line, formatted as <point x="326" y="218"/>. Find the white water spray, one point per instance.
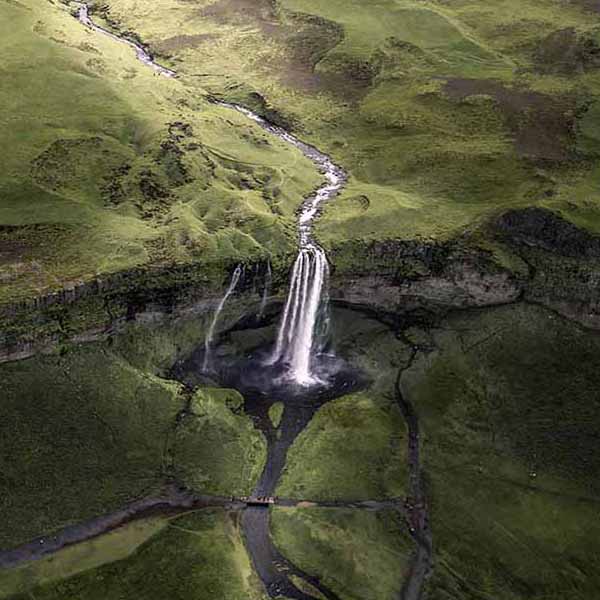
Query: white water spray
<point x="211" y="331"/>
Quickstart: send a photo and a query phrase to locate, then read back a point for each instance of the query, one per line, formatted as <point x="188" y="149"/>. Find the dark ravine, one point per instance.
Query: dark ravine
<point x="416" y="503"/>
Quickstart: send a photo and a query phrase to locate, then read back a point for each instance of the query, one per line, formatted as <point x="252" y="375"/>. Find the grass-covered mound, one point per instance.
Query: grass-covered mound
<point x="216" y="448"/>
<point x="443" y="112"/>
<point x="193" y="557"/>
<point x="107" y="166"/>
<point x="359" y="555"/>
<point x="510" y="416"/>
<point x="85" y="432"/>
<point x="353" y="449"/>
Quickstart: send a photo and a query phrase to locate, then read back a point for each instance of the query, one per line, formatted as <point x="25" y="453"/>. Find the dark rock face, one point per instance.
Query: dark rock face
<point x="564" y="262"/>
<point x="567" y="53"/>
<point x="556" y="265"/>
<point x="93" y="310"/>
<point x="397" y="276"/>
<point x="540" y="228"/>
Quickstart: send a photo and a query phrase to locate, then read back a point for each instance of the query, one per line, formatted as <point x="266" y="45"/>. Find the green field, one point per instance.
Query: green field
<point x="510" y="425"/>
<point x="197" y="556"/>
<point x="443" y="113"/>
<point x="447" y="116"/>
<point x="360" y="555"/>
<point x="354" y="449"/>
<point x="85" y="432"/>
<point x="108" y="167"/>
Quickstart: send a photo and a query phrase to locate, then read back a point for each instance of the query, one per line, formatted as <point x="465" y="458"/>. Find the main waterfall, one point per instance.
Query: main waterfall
<point x="298" y="339"/>
<point x="304" y="325"/>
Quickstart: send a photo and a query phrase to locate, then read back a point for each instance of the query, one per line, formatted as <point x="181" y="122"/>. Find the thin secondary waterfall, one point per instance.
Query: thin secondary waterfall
<point x="211" y="330"/>
<point x="266" y="291"/>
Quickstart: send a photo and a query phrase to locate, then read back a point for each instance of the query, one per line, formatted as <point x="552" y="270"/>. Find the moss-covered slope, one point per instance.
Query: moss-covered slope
<point x="107" y="166"/>
<point x="85" y="432"/>
<point x="443" y="113"/>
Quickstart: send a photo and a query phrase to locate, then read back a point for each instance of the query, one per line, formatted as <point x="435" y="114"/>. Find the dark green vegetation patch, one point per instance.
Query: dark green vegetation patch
<point x="510" y="416"/>
<point x="84" y="433"/>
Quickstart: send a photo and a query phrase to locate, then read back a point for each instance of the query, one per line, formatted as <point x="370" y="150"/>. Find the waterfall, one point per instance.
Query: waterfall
<point x="211" y="330"/>
<point x="298" y="339"/>
<point x="303" y="328"/>
<point x="266" y="291"/>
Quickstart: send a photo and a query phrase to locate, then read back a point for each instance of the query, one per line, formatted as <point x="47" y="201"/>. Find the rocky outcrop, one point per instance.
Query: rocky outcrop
<point x="406" y="276"/>
<point x="562" y="272"/>
<point x="546" y="230"/>
<point x="564" y="262"/>
<point x="552" y="262"/>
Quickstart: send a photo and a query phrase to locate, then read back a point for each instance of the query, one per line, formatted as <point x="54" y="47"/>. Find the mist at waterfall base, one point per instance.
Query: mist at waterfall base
<point x="253" y="371"/>
<point x="296" y="359"/>
<point x="250" y="370"/>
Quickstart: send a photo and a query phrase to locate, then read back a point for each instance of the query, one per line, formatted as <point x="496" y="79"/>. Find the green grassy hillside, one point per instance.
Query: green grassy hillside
<point x="197" y="556"/>
<point x="509" y="413"/>
<point x="84" y="433"/>
<point x="107" y="166"/>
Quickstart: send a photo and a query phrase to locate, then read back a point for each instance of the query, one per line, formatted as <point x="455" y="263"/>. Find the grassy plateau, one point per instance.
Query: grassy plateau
<point x="467" y="128"/>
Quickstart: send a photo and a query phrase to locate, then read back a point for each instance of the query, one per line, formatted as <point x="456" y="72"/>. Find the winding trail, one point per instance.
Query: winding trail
<point x="172" y="502"/>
